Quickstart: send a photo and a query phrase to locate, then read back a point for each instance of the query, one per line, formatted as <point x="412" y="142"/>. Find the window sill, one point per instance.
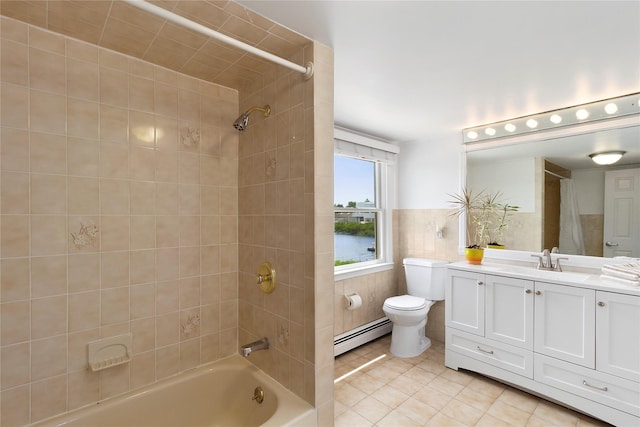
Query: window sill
<point x="362" y="271"/>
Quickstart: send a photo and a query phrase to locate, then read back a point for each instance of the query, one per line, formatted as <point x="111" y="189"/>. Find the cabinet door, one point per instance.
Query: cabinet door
<point x="565" y="323"/>
<point x="509" y="311"/>
<point x="618" y="334"/>
<point x="464" y="301"/>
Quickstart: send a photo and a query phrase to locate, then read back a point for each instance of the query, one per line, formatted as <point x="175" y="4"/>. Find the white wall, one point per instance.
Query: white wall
<point x="518" y="189"/>
<point x="589" y="185"/>
<point x="428" y="172"/>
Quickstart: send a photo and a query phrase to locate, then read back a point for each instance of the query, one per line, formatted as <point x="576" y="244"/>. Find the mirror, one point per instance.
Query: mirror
<point x="528" y="173"/>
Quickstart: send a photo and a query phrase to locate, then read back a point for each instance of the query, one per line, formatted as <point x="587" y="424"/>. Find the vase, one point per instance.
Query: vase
<point x="473" y="255"/>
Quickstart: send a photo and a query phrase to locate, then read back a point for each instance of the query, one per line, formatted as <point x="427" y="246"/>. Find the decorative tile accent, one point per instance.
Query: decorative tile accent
<point x="271" y="166"/>
<point x="283" y="335"/>
<point x="86" y="236"/>
<point x="189" y="136"/>
<point x="191" y="324"/>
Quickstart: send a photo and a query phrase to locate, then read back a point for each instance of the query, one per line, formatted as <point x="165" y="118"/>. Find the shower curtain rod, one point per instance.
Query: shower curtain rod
<point x="180" y="20"/>
<point x="555" y="174"/>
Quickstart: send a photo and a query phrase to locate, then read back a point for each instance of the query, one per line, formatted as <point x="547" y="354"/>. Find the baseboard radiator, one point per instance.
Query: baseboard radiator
<point x="361" y="335"/>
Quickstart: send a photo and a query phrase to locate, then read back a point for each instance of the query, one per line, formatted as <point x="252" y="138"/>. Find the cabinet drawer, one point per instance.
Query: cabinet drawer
<point x="504" y="356"/>
<point x="609" y="390"/>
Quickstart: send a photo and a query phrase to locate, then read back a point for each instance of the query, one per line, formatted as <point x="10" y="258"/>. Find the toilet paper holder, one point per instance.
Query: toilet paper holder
<point x="353" y="301"/>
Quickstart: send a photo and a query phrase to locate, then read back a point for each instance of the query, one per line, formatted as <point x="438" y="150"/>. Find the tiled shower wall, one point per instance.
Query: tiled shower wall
<point x="119" y="214"/>
<point x="272" y="187"/>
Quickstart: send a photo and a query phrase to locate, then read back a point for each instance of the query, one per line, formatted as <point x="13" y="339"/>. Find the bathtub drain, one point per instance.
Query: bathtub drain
<point x="258" y="394"/>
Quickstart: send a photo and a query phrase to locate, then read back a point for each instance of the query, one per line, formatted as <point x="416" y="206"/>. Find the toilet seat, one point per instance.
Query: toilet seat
<point x="406" y="303"/>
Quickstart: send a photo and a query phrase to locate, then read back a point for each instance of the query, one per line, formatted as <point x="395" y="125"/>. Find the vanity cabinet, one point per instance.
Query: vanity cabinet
<point x="571" y="342"/>
<point x="565" y="321"/>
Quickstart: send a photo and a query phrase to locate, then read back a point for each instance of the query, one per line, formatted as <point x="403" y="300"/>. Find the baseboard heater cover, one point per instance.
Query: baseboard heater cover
<point x="361" y="335"/>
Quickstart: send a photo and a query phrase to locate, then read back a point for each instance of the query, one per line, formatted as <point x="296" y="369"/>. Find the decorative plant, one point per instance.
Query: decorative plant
<point x="487" y="218"/>
<point x="502" y="213"/>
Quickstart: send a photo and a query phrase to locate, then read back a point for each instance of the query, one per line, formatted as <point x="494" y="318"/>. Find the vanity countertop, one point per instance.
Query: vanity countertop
<point x="583" y="280"/>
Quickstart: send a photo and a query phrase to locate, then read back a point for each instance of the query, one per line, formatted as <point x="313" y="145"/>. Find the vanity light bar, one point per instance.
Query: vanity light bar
<point x="593" y="111"/>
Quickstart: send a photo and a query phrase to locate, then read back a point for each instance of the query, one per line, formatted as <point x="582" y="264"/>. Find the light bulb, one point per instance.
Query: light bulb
<point x="582" y="114"/>
<point x="611" y="108"/>
<point x="490" y="131"/>
<point x="532" y="123"/>
<point x="472" y="134"/>
<point x="509" y="127"/>
<point x="555" y="119"/>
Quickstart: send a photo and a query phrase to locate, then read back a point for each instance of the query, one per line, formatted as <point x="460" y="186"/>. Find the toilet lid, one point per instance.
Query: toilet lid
<point x="406" y="303"/>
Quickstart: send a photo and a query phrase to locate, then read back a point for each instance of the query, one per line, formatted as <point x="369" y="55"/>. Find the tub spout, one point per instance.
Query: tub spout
<point x="262" y="344"/>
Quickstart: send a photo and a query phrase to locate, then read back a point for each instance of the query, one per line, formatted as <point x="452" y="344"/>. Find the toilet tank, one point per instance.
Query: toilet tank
<point x="425" y="277"/>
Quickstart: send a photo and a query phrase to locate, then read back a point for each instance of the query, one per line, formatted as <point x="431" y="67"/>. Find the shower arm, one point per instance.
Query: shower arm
<point x="180" y="20"/>
<point x="266" y="110"/>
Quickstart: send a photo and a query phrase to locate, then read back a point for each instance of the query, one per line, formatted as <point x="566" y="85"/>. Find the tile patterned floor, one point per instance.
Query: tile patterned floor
<point x="373" y="388"/>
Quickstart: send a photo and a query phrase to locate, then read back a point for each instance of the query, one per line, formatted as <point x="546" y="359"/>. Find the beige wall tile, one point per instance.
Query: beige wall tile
<point x="47" y="112"/>
<point x="14" y="101"/>
<point x="15" y="365"/>
<point x="82" y="157"/>
<point x="48" y="357"/>
<point x="18" y="400"/>
<point x="48" y="276"/>
<point x="13" y="62"/>
<point x="84" y="311"/>
<point x="83" y="272"/>
<point x="48" y="234"/>
<point x="48" y="317"/>
<point x="15" y="150"/>
<point x="114" y="305"/>
<point x="47" y="71"/>
<point x="48" y="153"/>
<point x="15" y="193"/>
<point x="14" y="279"/>
<point x="48" y="397"/>
<point x="83" y="78"/>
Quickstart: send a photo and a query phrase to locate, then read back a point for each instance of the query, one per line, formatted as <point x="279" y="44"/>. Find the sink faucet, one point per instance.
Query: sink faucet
<point x="262" y="344"/>
<point x="546" y="263"/>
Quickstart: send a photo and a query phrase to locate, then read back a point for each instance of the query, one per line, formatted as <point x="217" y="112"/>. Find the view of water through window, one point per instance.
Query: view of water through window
<point x="354" y="194"/>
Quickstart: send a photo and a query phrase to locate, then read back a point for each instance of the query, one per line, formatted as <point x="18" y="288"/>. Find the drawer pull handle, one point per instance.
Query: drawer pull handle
<point x="584" y="382"/>
<point x="480" y="283"/>
<point x="601" y="304"/>
<point x="485" y="351"/>
<point x="538" y="293"/>
<point x="527" y="291"/>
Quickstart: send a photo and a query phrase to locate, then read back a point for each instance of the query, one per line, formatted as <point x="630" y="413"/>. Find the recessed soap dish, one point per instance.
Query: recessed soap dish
<point x="109" y="352"/>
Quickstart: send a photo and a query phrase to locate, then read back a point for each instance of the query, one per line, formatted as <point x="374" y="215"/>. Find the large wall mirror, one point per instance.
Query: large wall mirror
<point x="552" y="179"/>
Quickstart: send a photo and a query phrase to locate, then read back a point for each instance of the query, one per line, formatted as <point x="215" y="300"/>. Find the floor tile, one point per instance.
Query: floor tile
<point x="377" y="389"/>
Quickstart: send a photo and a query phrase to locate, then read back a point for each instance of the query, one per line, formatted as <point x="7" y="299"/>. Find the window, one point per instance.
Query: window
<point x="364" y="196"/>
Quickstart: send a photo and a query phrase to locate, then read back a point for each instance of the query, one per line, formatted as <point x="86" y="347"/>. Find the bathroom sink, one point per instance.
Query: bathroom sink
<point x="534" y="273"/>
<point x="561" y="275"/>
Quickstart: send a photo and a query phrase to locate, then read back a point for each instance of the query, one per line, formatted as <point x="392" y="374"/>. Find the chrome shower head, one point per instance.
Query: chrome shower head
<point x="241" y="122"/>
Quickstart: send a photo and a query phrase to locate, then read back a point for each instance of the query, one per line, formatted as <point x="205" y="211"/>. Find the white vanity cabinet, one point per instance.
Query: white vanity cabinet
<point x="574" y="343"/>
<point x="565" y="322"/>
<point x="618" y="335"/>
<point x="490" y="318"/>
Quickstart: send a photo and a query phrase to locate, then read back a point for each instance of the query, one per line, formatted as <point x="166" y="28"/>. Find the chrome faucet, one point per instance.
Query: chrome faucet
<point x="262" y="344"/>
<point x="546" y="263"/>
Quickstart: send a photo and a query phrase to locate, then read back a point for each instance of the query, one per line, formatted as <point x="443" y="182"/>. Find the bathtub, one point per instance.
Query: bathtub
<point x="216" y="394"/>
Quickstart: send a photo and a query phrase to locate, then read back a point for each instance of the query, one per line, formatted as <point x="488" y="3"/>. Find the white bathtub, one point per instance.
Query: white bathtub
<point x="217" y="394"/>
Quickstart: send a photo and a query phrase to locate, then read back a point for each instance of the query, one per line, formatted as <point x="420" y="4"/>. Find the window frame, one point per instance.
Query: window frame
<point x="383" y="154"/>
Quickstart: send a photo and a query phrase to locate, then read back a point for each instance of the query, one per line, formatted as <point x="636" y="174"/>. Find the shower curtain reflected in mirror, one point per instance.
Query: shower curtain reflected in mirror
<point x="571" y="240"/>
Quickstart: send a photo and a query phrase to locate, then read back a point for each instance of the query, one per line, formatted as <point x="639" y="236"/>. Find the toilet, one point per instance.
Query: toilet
<point x="408" y="313"/>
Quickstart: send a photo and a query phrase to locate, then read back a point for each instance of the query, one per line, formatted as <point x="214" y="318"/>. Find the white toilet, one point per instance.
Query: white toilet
<point x="425" y="285"/>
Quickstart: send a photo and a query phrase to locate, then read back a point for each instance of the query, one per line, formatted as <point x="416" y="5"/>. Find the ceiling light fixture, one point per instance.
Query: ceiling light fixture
<point x="606" y="157"/>
<point x="606" y="109"/>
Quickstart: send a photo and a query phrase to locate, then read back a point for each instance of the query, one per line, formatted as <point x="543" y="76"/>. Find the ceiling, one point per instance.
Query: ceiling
<point x="423" y="70"/>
